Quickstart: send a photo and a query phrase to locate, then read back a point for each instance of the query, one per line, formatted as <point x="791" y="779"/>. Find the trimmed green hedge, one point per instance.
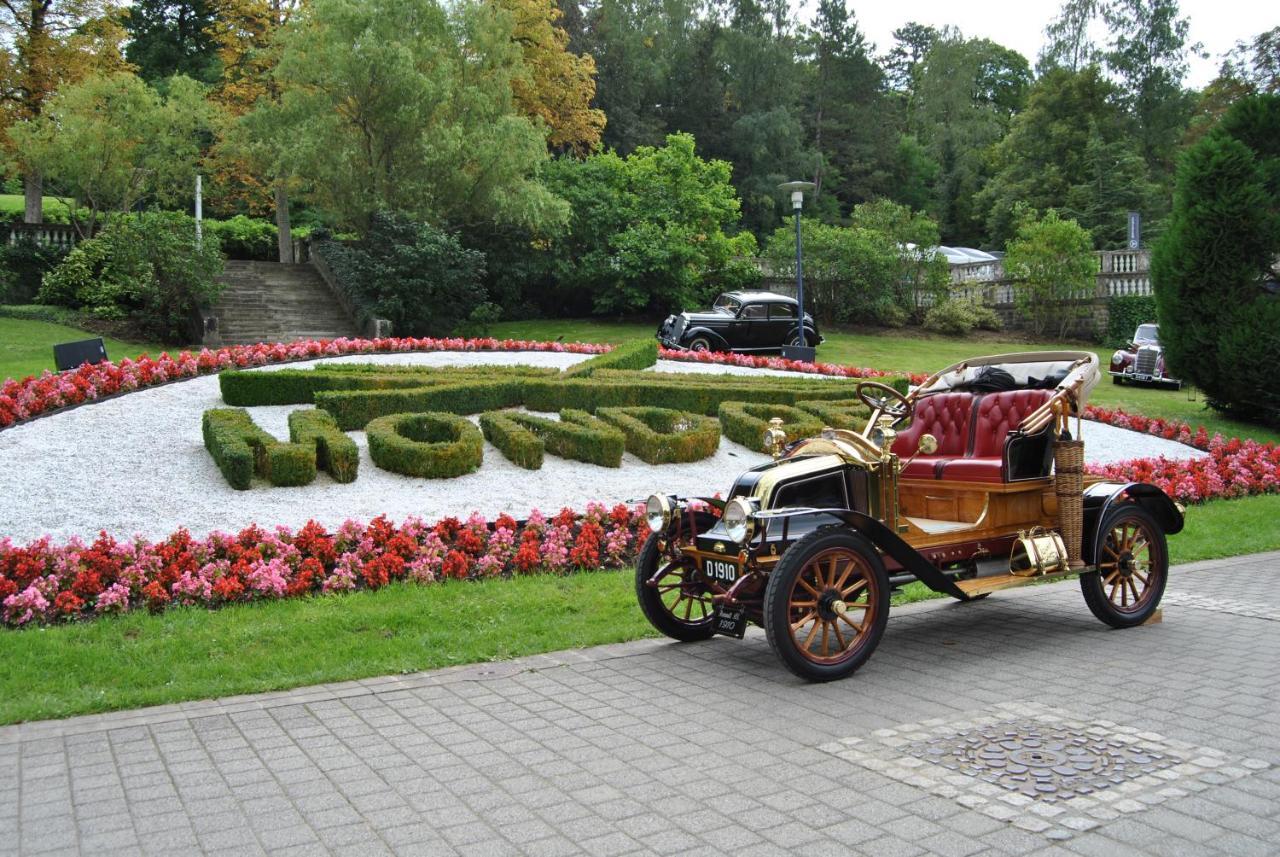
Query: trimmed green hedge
<point x="662" y="435"/>
<point x="299" y="386"/>
<point x="430" y="445"/>
<point x="518" y="443"/>
<point x="334" y="452"/>
<point x="353" y="409"/>
<point x="842" y="413"/>
<point x="578" y="436"/>
<point x="694" y="397"/>
<point x="745" y="422"/>
<point x="444" y="374"/>
<point x="1124" y="314"/>
<point x="640" y="354"/>
<point x="290" y="464"/>
<point x="240" y="449"/>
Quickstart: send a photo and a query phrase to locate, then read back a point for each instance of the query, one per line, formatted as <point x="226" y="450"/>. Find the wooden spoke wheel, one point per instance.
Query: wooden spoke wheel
<point x="1133" y="566"/>
<point x="827" y="604"/>
<point x="677" y="603"/>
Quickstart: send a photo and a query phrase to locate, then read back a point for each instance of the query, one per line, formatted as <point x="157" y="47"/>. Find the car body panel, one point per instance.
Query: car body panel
<point x="738" y="321"/>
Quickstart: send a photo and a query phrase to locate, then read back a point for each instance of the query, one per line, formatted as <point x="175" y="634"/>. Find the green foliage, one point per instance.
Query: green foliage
<point x="1124" y="314"/>
<point x="407" y="106"/>
<point x="1051" y="263"/>
<point x="113" y="142"/>
<point x="647" y="234"/>
<point x="957" y="316"/>
<point x="662" y="435"/>
<point x="701" y="396"/>
<point x="145" y="267"/>
<point x="291" y="464"/>
<point x="630" y="355"/>
<point x="22" y="265"/>
<point x="419" y="277"/>
<point x="577" y="436"/>
<point x="299" y="386"/>
<point x="521" y="445"/>
<point x="429" y="445"/>
<point x="746" y="422"/>
<point x="244" y="237"/>
<point x="353" y="409"/>
<point x="333" y="452"/>
<point x="849" y="414"/>
<point x="1219" y="327"/>
<point x="168" y="37"/>
<point x="237" y="445"/>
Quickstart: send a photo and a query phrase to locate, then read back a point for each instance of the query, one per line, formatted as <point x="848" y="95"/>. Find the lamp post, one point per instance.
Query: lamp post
<point x="803" y="351"/>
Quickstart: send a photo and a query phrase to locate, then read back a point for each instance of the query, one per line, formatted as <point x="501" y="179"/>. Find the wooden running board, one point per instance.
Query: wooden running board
<point x="996" y="582"/>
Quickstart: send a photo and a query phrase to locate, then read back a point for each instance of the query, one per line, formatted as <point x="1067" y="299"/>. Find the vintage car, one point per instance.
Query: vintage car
<point x="970" y="484"/>
<point x="739" y="321"/>
<point x="1142" y="360"/>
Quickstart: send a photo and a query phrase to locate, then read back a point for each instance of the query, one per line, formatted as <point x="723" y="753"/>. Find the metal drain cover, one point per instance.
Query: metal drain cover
<point x="1041" y="761"/>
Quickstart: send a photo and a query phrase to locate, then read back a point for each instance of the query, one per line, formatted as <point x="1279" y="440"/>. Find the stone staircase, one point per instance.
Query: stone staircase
<point x="276" y="302"/>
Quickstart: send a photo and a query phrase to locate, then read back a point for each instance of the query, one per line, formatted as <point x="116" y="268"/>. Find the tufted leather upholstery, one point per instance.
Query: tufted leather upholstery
<point x="971" y="432"/>
<point x="999" y="414"/>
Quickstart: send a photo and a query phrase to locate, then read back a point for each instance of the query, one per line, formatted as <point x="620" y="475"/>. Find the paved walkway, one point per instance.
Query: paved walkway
<point x="1163" y="740"/>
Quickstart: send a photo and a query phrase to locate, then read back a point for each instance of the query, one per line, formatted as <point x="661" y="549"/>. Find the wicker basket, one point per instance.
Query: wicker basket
<point x="1068" y="484"/>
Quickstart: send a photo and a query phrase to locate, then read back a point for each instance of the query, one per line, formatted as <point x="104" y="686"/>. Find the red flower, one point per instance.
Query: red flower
<point x="87" y="584"/>
<point x="156" y="596"/>
<point x="586" y="551"/>
<point x="68" y="604"/>
<point x="456" y="565"/>
<point x="447" y="528"/>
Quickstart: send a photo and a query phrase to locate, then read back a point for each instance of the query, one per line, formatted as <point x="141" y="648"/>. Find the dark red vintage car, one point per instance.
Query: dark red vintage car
<point x="1142" y="360"/>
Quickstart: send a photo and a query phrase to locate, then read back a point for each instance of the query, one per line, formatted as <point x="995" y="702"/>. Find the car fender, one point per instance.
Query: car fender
<point x="716" y="339"/>
<point x="1101" y="497"/>
<point x="893" y="545"/>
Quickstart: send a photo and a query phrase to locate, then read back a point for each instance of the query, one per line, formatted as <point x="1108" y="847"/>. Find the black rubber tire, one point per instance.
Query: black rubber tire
<point x="1117" y="380"/>
<point x="777" y="603"/>
<point x="701" y="343"/>
<point x="651" y="603"/>
<point x="1093" y="583"/>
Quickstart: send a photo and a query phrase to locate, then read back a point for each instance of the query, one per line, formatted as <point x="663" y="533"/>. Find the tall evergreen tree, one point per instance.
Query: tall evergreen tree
<point x="168" y="37"/>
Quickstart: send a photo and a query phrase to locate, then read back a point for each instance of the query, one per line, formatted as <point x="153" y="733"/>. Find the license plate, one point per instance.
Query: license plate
<point x="730" y="622"/>
<point x="1139" y="377"/>
<point x="720" y="570"/>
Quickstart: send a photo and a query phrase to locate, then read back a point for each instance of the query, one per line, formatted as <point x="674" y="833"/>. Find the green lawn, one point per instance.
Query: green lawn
<point x="13" y="206"/>
<point x="26" y="347"/>
<point x="186" y="653"/>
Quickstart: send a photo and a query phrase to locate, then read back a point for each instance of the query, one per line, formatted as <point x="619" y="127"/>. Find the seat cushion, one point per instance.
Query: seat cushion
<point x="924" y="466"/>
<point x="947" y="417"/>
<point x="1000" y="413"/>
<point x="984" y="469"/>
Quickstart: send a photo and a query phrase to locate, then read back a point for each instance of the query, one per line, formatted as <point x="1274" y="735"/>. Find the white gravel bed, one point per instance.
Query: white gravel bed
<point x="137" y="464"/>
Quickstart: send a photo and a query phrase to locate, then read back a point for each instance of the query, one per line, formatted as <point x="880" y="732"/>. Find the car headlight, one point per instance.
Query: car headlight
<point x="657" y="512"/>
<point x="1117" y="357"/>
<point x="737" y="520"/>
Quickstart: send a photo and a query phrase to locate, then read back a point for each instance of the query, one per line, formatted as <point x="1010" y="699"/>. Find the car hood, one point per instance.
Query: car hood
<point x="704" y="316"/>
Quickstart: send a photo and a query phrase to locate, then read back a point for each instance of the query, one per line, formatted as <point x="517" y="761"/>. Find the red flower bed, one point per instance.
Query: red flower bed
<point x="42" y="583"/>
<point x="1233" y="468"/>
<point x="760" y="362"/>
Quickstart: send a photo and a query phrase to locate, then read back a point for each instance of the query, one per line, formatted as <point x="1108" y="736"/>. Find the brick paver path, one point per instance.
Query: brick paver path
<point x="654" y="747"/>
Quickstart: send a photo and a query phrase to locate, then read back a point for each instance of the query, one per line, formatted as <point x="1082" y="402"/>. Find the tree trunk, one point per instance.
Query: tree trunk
<point x="33" y="190"/>
<point x="284" y="237"/>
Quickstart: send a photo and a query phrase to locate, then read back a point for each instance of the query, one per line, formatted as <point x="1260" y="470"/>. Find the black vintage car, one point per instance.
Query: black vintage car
<point x="739" y="321"/>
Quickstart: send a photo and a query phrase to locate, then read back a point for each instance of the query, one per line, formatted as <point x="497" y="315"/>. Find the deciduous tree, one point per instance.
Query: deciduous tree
<point x="1052" y="264"/>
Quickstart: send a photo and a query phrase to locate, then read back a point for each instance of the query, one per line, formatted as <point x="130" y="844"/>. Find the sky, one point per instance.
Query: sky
<point x="1019" y="24"/>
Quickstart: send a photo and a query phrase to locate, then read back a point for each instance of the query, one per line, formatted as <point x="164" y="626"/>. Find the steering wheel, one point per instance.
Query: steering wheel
<point x="885" y="404"/>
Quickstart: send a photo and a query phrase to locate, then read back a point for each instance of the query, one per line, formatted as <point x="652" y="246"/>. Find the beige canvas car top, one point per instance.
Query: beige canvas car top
<point x="1080" y="368"/>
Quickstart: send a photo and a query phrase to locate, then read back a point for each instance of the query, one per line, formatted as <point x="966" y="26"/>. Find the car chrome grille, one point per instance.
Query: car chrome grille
<point x="677" y="327"/>
<point x="1145" y="364"/>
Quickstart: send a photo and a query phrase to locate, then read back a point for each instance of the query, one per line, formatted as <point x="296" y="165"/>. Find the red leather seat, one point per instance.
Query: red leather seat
<point x="971" y="432"/>
<point x="946" y="416"/>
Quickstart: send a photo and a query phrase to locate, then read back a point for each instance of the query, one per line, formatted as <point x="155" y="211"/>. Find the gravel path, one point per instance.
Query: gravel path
<point x="137" y="464"/>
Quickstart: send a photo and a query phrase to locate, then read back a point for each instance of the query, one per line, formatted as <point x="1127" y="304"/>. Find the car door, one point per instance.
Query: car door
<point x="754" y="330"/>
<point x="782" y="322"/>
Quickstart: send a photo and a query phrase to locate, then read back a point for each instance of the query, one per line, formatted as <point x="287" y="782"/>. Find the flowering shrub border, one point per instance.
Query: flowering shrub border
<point x="43" y="583"/>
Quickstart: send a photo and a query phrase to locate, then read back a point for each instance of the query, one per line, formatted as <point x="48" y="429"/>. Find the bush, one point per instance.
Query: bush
<point x="582" y="437"/>
<point x="521" y="446"/>
<point x="1053" y="265"/>
<point x="333" y="452"/>
<point x="429" y="445"/>
<point x="959" y="316"/>
<point x="244" y="237"/>
<point x="146" y="268"/>
<point x="664" y="436"/>
<point x="745" y="422"/>
<point x="420" y="278"/>
<point x="640" y="354"/>
<point x="1218" y="323"/>
<point x="695" y="396"/>
<point x="290" y="464"/>
<point x="1124" y="314"/>
<point x="353" y="409"/>
<point x="842" y="414"/>
<point x="22" y="267"/>
<point x="238" y="446"/>
<point x="251" y="388"/>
